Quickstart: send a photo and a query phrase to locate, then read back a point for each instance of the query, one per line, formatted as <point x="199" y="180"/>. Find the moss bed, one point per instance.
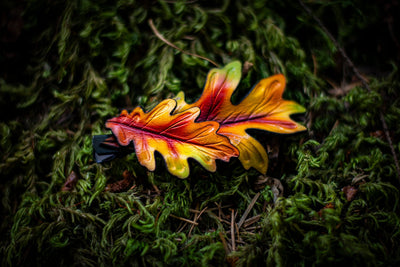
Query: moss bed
<point x="331" y="194"/>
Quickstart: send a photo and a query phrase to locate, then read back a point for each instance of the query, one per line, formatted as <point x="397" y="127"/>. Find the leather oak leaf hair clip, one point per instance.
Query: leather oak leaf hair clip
<point x="210" y="128"/>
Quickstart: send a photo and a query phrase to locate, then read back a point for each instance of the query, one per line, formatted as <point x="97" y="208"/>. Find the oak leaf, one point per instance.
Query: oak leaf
<point x="263" y="108"/>
<point x="176" y="137"/>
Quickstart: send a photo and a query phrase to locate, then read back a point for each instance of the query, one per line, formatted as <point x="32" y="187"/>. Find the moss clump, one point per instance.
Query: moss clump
<point x="67" y="66"/>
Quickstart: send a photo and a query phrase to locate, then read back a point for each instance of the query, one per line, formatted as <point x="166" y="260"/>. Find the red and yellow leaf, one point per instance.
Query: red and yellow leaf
<point x="176" y="137"/>
<point x="263" y="108"/>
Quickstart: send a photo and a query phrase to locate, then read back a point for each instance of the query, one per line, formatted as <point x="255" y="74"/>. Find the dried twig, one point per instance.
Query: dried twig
<point x="183" y="219"/>
<point x="162" y="38"/>
<point x="253" y="228"/>
<point x="211" y="209"/>
<point x="221" y="236"/>
<point x="214" y="216"/>
<point x="219" y="210"/>
<point x="156" y="189"/>
<point x="196" y="217"/>
<point x="360" y="77"/>
<point x="233" y="229"/>
<point x="253" y="201"/>
<point x="237" y="233"/>
<point x="251" y="220"/>
<point x="181" y="227"/>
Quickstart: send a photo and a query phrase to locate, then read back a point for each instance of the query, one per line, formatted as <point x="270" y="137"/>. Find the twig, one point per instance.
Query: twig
<point x="253" y="201"/>
<point x="315" y="64"/>
<point x="252" y="228"/>
<point x="196" y="217"/>
<point x="182" y="226"/>
<point x="211" y="209"/>
<point x="251" y="220"/>
<point x="162" y="38"/>
<point x="221" y="236"/>
<point x="237" y="233"/>
<point x="183" y="219"/>
<point x="233" y="229"/>
<point x="360" y="77"/>
<point x="214" y="216"/>
<point x="156" y="189"/>
<point x="219" y="210"/>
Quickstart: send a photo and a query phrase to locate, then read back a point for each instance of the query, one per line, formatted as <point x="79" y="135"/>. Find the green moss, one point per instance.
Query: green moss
<point x="71" y="65"/>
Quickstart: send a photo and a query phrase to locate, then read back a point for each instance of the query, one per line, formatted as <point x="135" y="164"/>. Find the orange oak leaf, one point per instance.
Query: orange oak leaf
<point x="176" y="137"/>
<point x="263" y="108"/>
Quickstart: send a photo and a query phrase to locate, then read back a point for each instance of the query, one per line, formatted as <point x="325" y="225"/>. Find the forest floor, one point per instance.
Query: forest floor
<point x="330" y="195"/>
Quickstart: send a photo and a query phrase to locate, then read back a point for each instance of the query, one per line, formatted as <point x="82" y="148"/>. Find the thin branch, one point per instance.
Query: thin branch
<point x="252" y="228"/>
<point x="233" y="229"/>
<point x="360" y="77"/>
<point x="253" y="201"/>
<point x="212" y="215"/>
<point x="251" y="220"/>
<point x="162" y="38"/>
<point x="211" y="209"/>
<point x="183" y="219"/>
<point x="237" y="232"/>
<point x="221" y="236"/>
<point x="196" y="217"/>
<point x="182" y="226"/>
